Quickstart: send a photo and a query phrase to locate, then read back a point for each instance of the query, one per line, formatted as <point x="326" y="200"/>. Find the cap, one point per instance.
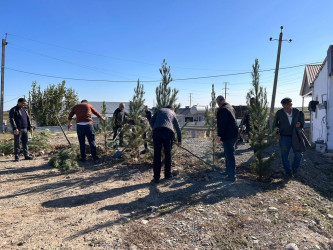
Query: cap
<point x="286" y="100"/>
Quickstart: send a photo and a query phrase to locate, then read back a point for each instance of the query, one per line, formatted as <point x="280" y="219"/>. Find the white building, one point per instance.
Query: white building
<point x="322" y="103"/>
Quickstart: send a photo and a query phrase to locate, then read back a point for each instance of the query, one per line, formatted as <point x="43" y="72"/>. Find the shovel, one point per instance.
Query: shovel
<point x="202" y="160"/>
<point x="118" y="153"/>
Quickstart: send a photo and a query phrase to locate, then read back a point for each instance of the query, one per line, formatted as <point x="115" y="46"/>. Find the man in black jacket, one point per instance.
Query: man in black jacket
<point x="20" y="123"/>
<point x="227" y="132"/>
<point x="286" y="119"/>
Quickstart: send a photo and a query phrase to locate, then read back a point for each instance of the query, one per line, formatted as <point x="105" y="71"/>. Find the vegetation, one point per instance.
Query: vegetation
<point x="106" y="127"/>
<point x="138" y="126"/>
<point x="40" y="140"/>
<point x="260" y="134"/>
<point x="210" y="116"/>
<point x="54" y="100"/>
<point x="164" y="95"/>
<point x="66" y="159"/>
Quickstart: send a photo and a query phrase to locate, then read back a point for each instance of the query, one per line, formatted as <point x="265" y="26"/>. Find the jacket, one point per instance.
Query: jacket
<point x="284" y="128"/>
<point x="166" y="118"/>
<point x="226" y="122"/>
<point x="119" y="117"/>
<point x="15" y="118"/>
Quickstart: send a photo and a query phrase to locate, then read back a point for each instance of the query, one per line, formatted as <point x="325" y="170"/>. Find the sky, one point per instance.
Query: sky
<point x="216" y="41"/>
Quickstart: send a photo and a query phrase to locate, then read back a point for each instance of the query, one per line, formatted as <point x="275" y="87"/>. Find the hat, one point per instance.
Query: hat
<point x="286" y="100"/>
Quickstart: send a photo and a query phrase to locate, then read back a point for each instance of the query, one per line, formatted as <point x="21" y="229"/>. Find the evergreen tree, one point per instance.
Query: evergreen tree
<point x="138" y="123"/>
<point x="105" y="126"/>
<point x="54" y="100"/>
<point x="164" y="94"/>
<point x="260" y="134"/>
<point x="210" y="116"/>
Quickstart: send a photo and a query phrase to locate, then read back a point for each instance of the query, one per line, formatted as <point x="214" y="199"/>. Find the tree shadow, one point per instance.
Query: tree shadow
<point x="180" y="195"/>
<point x="126" y="172"/>
<point x="22" y="170"/>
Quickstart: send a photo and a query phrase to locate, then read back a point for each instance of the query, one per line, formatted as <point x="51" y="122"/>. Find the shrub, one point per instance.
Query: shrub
<point x="7" y="147"/>
<point x="66" y="159"/>
<point x="39" y="141"/>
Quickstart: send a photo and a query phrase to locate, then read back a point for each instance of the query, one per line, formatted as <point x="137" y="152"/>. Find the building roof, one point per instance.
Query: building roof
<point x="310" y="74"/>
<point x="110" y="107"/>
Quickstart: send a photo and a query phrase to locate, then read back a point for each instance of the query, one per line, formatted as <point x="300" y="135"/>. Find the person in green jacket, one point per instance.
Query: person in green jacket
<point x="119" y="118"/>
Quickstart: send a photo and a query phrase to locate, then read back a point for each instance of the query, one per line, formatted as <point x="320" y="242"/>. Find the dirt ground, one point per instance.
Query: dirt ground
<point x="110" y="204"/>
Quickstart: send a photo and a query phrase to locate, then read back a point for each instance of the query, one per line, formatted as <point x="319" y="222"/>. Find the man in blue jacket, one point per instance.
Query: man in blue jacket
<point x="163" y="123"/>
<point x="227" y="133"/>
<point x="286" y="119"/>
<point x="20" y="123"/>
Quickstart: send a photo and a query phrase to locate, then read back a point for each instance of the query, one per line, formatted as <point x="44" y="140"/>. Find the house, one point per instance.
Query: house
<point x="310" y="73"/>
<point x="321" y="106"/>
<point x="192" y="116"/>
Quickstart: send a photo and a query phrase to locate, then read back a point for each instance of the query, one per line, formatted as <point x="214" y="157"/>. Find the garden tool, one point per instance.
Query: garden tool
<point x="63" y="130"/>
<point x="118" y="153"/>
<point x="205" y="162"/>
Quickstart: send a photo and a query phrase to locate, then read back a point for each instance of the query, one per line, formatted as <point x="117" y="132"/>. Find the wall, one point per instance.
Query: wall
<point x="319" y="118"/>
<point x="330" y="114"/>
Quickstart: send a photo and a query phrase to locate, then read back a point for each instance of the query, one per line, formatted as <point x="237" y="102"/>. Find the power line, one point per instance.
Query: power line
<point x="64" y="61"/>
<point x="147" y="81"/>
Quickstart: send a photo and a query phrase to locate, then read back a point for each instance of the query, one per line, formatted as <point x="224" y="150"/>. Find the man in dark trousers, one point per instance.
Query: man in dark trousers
<point x="163" y="124"/>
<point x="20" y="123"/>
<point x="85" y="127"/>
<point x="286" y="119"/>
<point x="227" y="133"/>
<point x="119" y="118"/>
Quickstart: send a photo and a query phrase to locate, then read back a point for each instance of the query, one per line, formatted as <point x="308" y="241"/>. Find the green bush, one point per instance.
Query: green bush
<point x="66" y="159"/>
<point x="39" y="141"/>
<point x="7" y="147"/>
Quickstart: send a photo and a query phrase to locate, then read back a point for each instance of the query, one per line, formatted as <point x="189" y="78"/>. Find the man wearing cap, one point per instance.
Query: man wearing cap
<point x="20" y="123"/>
<point x="227" y="133"/>
<point x="163" y="124"/>
<point x="85" y="127"/>
<point x="286" y="119"/>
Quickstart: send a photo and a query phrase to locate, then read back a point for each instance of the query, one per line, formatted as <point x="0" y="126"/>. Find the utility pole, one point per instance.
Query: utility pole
<point x="271" y="113"/>
<point x="225" y="89"/>
<point x="190" y="100"/>
<point x="4" y="43"/>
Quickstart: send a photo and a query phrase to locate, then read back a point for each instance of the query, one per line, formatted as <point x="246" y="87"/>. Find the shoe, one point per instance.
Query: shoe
<point x="294" y="173"/>
<point x="154" y="181"/>
<point x="224" y="173"/>
<point x="16" y="160"/>
<point x="232" y="179"/>
<point x="28" y="158"/>
<point x="96" y="158"/>
<point x="82" y="159"/>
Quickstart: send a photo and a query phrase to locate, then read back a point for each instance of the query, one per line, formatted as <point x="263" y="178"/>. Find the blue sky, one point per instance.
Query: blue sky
<point x="128" y="39"/>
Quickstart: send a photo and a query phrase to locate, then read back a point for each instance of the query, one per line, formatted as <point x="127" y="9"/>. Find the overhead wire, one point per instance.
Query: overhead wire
<point x="147" y="81"/>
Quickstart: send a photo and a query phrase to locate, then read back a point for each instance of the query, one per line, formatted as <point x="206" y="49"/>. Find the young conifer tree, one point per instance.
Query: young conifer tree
<point x="137" y="127"/>
<point x="210" y="116"/>
<point x="164" y="94"/>
<point x="105" y="127"/>
<point x="260" y="135"/>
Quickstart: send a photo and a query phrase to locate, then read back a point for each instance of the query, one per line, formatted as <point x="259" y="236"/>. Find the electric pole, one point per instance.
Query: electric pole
<point x="225" y="89"/>
<point x="271" y="113"/>
<point x="4" y="43"/>
<point x="190" y="100"/>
